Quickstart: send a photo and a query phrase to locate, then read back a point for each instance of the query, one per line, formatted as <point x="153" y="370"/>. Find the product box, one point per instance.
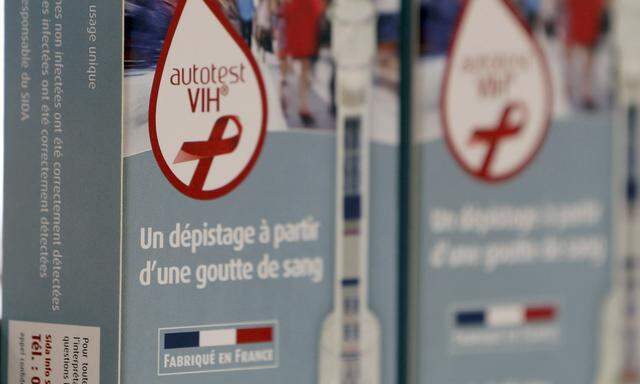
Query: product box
<point x="514" y="127"/>
<point x="201" y="191"/>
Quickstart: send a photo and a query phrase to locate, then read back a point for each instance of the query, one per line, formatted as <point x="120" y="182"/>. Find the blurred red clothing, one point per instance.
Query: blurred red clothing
<point x="302" y="26"/>
<point x="584" y="21"/>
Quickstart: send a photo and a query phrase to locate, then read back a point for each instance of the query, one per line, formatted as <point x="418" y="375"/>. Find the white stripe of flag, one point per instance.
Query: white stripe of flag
<point x="218" y="337"/>
<point x="506" y="315"/>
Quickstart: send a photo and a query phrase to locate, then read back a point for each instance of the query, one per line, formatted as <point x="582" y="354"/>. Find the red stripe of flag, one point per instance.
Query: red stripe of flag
<point x="352" y="232"/>
<point x="540" y="314"/>
<point x="255" y="335"/>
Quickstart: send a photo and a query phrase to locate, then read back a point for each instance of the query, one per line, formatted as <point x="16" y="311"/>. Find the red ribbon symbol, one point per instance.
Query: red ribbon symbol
<point x="506" y="128"/>
<point x="206" y="151"/>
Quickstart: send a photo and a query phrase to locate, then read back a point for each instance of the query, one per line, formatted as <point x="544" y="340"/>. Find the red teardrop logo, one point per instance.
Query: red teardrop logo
<point x="208" y="107"/>
<point x="496" y="102"/>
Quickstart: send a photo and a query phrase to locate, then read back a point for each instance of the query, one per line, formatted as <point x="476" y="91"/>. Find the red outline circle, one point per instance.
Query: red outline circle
<point x="444" y="93"/>
<point x="157" y="152"/>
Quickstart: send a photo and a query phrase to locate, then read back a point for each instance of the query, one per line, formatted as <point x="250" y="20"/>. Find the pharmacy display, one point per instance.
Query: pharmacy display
<point x="217" y="202"/>
<point x="514" y="121"/>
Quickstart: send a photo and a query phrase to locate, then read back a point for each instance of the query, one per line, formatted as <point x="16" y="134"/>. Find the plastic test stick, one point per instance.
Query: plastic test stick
<point x="350" y="353"/>
<point x="629" y="97"/>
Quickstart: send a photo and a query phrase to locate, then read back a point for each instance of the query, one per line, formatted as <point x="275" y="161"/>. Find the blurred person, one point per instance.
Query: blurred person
<point x="548" y="16"/>
<point x="302" y="29"/>
<point x="264" y="27"/>
<point x="246" y="11"/>
<point x="388" y="27"/>
<point x="584" y="20"/>
<point x="438" y="19"/>
<point x="388" y="64"/>
<point x="280" y="36"/>
<point x="231" y="11"/>
<point x="147" y="24"/>
<point x="531" y="11"/>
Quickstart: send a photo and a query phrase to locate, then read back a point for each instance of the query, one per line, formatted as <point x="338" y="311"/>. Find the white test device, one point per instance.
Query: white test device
<point x="620" y="348"/>
<point x="350" y="340"/>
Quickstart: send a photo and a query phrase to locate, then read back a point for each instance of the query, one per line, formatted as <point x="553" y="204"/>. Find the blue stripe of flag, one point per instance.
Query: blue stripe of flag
<point x="470" y="319"/>
<point x="181" y="340"/>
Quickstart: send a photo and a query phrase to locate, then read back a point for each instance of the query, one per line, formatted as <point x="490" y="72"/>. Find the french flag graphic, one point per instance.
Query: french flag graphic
<point x="218" y="337"/>
<point x="503" y="316"/>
